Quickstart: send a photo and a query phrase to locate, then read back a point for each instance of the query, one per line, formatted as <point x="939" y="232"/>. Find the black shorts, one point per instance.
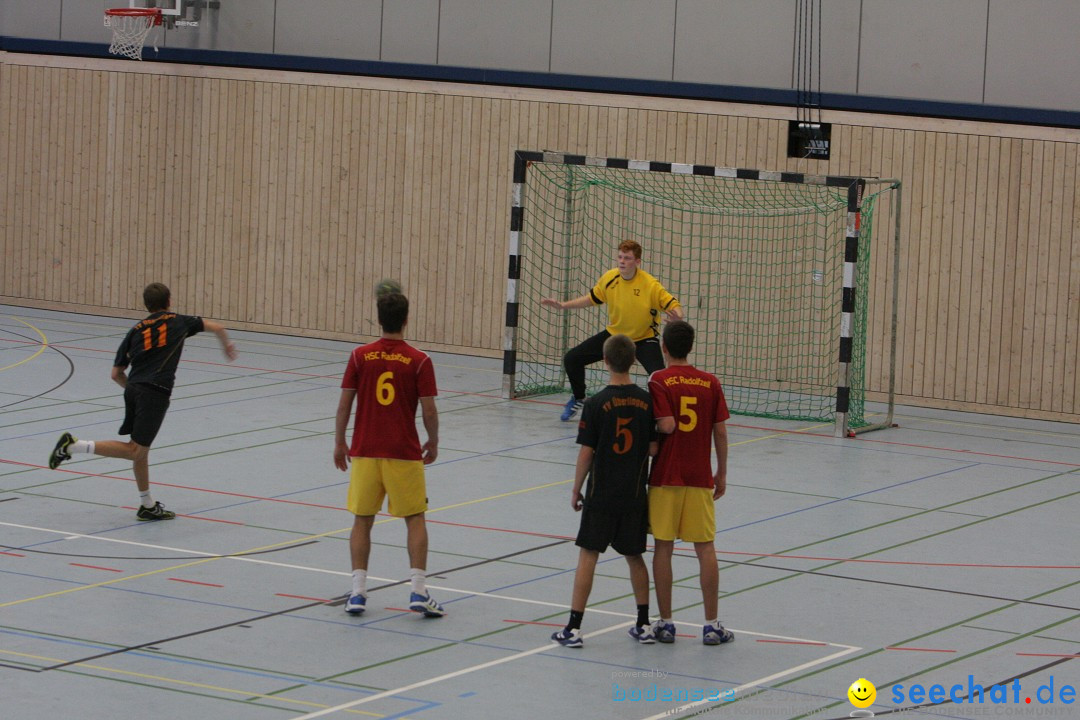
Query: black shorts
<point x="144" y="411"/>
<point x="625" y="532"/>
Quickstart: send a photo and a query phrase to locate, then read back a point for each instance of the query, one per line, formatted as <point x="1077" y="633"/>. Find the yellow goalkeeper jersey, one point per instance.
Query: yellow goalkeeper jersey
<point x="634" y="306"/>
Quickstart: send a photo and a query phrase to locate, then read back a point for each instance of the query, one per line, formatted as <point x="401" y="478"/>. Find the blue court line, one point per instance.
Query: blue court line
<point x="849" y="497"/>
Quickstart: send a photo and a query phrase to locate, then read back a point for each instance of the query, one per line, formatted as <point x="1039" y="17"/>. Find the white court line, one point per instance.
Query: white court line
<point x="448" y="588"/>
<point x="847" y="649"/>
<point x="449" y="676"/>
<point x="760" y="681"/>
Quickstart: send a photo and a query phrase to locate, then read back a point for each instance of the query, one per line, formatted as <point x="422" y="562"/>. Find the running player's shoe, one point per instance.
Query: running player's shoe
<point x="642" y="633"/>
<point x="60" y="453"/>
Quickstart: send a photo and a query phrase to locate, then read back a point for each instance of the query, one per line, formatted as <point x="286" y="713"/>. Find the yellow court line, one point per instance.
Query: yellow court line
<point x="779" y="434"/>
<point x="167" y="569"/>
<point x="186" y="683"/>
<point x="44" y="344"/>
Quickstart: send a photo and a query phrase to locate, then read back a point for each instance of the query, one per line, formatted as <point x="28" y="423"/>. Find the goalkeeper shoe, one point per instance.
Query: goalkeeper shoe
<point x="573" y="406"/>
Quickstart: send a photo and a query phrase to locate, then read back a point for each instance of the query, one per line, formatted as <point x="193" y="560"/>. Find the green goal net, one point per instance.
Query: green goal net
<point x="756" y="259"/>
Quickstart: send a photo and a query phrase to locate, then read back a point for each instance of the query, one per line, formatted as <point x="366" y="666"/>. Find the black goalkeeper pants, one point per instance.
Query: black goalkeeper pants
<point x="592" y="351"/>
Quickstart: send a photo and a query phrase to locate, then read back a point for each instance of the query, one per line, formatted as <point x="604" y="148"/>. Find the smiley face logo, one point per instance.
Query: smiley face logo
<point x="862" y="693"/>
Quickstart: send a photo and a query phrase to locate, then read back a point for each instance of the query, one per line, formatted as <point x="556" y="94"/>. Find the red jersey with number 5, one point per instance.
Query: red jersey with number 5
<point x="696" y="401"/>
<point x="390" y="377"/>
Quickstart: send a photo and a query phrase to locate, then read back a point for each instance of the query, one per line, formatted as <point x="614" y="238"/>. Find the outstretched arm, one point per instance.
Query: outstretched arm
<point x="575" y="304"/>
<point x="223" y="337"/>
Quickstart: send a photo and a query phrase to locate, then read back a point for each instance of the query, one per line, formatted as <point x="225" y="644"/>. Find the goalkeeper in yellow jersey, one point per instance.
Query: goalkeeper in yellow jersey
<point x="635" y="300"/>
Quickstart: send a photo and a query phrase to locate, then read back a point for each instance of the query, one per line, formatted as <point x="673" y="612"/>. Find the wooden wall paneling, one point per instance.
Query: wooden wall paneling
<point x="919" y="260"/>
<point x="35" y="145"/>
<point x="1010" y="329"/>
<point x="981" y="276"/>
<point x="449" y="330"/>
<point x="1068" y="297"/>
<point x="1071" y="385"/>
<point x="1027" y="248"/>
<point x="948" y="243"/>
<point x="1053" y="202"/>
<point x="325" y="200"/>
<point x="964" y="228"/>
<point x="22" y="103"/>
<point x="1040" y="310"/>
<point x="1018" y="242"/>
<point x="479" y="265"/>
<point x="1001" y="158"/>
<point x="238" y="236"/>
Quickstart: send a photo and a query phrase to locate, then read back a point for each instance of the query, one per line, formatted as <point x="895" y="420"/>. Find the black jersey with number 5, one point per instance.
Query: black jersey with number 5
<point x="618" y="424"/>
<point x="152" y="348"/>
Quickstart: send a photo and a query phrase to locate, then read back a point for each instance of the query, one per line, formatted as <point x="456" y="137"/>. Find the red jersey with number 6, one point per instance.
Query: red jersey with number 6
<point x="390" y="377"/>
<point x="696" y="401"/>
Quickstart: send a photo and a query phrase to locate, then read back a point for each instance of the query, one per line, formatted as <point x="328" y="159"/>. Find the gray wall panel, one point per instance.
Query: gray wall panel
<point x="620" y="38"/>
<point x="841" y="21"/>
<point x="924" y="49"/>
<point x="506" y="34"/>
<point x="1032" y="58"/>
<point x="85" y="21"/>
<point x="237" y="26"/>
<point x="329" y="28"/>
<point x="32" y="18"/>
<point x="410" y="31"/>
<point x="739" y="42"/>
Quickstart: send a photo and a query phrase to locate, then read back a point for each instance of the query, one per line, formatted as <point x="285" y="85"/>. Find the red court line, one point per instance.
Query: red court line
<point x="196" y="582"/>
<point x="903" y="562"/>
<point x="1066" y="655"/>
<point x="302" y="597"/>
<point x="11" y="554"/>
<point x="95" y="567"/>
<point x="794" y="642"/>
<point x="914" y="649"/>
<point x="532" y="622"/>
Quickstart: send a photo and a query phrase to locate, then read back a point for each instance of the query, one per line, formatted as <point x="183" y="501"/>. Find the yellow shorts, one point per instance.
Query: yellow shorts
<point x="372" y="479"/>
<point x="682" y="513"/>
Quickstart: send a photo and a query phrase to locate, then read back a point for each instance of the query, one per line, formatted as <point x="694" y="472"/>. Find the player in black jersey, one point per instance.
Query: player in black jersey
<point x="615" y="434"/>
<point x="152" y="350"/>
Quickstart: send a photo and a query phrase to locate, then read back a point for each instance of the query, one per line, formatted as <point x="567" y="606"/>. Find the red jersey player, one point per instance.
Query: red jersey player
<point x="388" y="378"/>
<point x="690" y="412"/>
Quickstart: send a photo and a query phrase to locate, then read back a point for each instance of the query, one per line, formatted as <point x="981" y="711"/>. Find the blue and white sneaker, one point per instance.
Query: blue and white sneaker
<point x="663" y="632"/>
<point x="356" y="604"/>
<point x="568" y="638"/>
<point x="716" y="635"/>
<point x="425" y="605"/>
<point x="642" y="633"/>
<point x="573" y="406"/>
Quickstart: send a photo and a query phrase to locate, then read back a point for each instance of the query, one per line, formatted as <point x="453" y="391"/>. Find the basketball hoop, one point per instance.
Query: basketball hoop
<point x="130" y="27"/>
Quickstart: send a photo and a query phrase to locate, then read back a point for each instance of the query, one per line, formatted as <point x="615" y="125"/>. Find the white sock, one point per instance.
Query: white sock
<point x="147" y="501"/>
<point x="359" y="582"/>
<point x="81" y="446"/>
<point x="665" y="621"/>
<point x="419" y="582"/>
<point x="714" y="623"/>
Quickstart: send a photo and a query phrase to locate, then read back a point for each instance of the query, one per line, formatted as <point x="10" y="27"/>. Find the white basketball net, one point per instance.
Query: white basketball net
<point x="129" y="34"/>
